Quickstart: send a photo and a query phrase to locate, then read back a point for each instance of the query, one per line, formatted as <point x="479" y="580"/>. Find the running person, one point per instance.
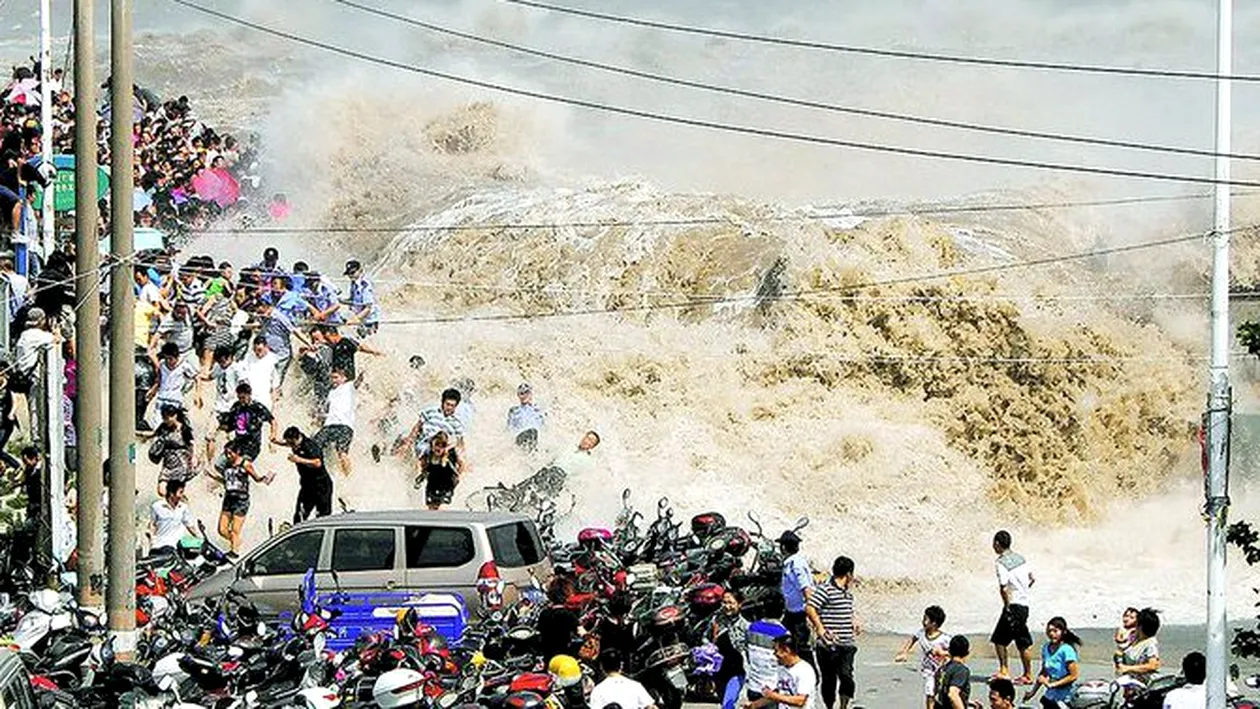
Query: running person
<point x="235" y="478"/>
<point x="315" y="485"/>
<point x="226" y="376"/>
<point x="440" y="468"/>
<point x="174" y="377"/>
<point x="338" y="430"/>
<point x="174" y="448"/>
<point x="245" y="422"/>
<point x="933" y="647"/>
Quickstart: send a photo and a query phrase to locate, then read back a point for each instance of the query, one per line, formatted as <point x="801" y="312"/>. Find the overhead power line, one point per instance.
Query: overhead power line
<point x="887" y="53"/>
<point x="712" y="125"/>
<point x="791" y="101"/>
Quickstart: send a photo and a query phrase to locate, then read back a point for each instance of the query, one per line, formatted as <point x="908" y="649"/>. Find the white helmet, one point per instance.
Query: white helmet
<point x="398" y="688"/>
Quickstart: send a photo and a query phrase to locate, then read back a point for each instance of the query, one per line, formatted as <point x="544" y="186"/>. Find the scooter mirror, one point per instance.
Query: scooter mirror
<point x="625" y="495"/>
<point x="448" y="700"/>
<point x="801" y="523"/>
<point x="262" y="629"/>
<point x="663" y="504"/>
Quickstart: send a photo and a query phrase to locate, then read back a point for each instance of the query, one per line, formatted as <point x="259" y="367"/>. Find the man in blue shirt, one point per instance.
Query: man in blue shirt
<point x="525" y="419"/>
<point x="797" y="585"/>
<point x="364" y="311"/>
<point x="287" y="300"/>
<point x="321" y="300"/>
<point x="277" y="328"/>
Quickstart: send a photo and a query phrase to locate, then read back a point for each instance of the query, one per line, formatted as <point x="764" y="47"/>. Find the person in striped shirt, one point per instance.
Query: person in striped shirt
<point x="830" y="612"/>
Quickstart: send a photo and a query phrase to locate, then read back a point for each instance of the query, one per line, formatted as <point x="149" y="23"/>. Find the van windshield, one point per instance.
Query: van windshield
<point x="515" y="545"/>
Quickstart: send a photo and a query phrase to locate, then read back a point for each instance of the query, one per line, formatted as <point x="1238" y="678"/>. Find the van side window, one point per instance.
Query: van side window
<point x="439" y="547"/>
<point x="291" y="556"/>
<point x="515" y="545"/>
<point x="363" y="550"/>
<point x="16" y="695"/>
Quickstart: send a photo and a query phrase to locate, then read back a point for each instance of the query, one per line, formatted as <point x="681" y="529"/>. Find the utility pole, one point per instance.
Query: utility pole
<point x="87" y="328"/>
<point x="53" y="433"/>
<point x="1218" y="423"/>
<point x="120" y="589"/>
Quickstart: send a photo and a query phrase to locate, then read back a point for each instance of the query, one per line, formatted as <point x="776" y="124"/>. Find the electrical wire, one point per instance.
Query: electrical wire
<point x="887" y="53"/>
<point x="706" y="124"/>
<point x="790" y="101"/>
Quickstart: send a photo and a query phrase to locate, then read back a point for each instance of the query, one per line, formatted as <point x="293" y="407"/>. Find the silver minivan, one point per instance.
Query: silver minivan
<point x="406" y="551"/>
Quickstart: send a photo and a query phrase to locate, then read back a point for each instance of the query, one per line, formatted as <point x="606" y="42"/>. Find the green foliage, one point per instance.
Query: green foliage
<point x="1245" y="537"/>
<point x="1249" y="336"/>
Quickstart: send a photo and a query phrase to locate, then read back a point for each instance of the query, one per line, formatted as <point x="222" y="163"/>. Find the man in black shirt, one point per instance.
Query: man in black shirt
<point x="314" y="483"/>
<point x="344" y="350"/>
<point x="245" y="421"/>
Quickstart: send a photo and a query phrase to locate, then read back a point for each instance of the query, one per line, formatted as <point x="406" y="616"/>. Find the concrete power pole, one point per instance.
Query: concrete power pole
<point x="120" y="592"/>
<point x="88" y="421"/>
<point x="1219" y="399"/>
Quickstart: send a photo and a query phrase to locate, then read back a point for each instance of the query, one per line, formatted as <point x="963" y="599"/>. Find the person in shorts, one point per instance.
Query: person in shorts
<point x="932" y="646"/>
<point x="235" y="476"/>
<point x="1015" y="579"/>
<point x="338" y="430"/>
<point x="441" y="466"/>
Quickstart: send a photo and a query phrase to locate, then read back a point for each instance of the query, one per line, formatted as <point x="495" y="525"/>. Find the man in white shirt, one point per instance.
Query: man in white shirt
<point x="1192" y="695"/>
<point x="617" y="688"/>
<point x="174" y="375"/>
<point x="259" y="369"/>
<point x="338" y="430"/>
<point x="797" y="680"/>
<point x="1015" y="579"/>
<point x="170" y="519"/>
<point x="148" y="291"/>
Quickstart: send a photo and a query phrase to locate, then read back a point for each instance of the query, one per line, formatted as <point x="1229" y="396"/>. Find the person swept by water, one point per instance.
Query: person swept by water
<point x="441" y="467"/>
<point x="432" y="420"/>
<point x="1015" y="580"/>
<point x="525" y="419"/>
